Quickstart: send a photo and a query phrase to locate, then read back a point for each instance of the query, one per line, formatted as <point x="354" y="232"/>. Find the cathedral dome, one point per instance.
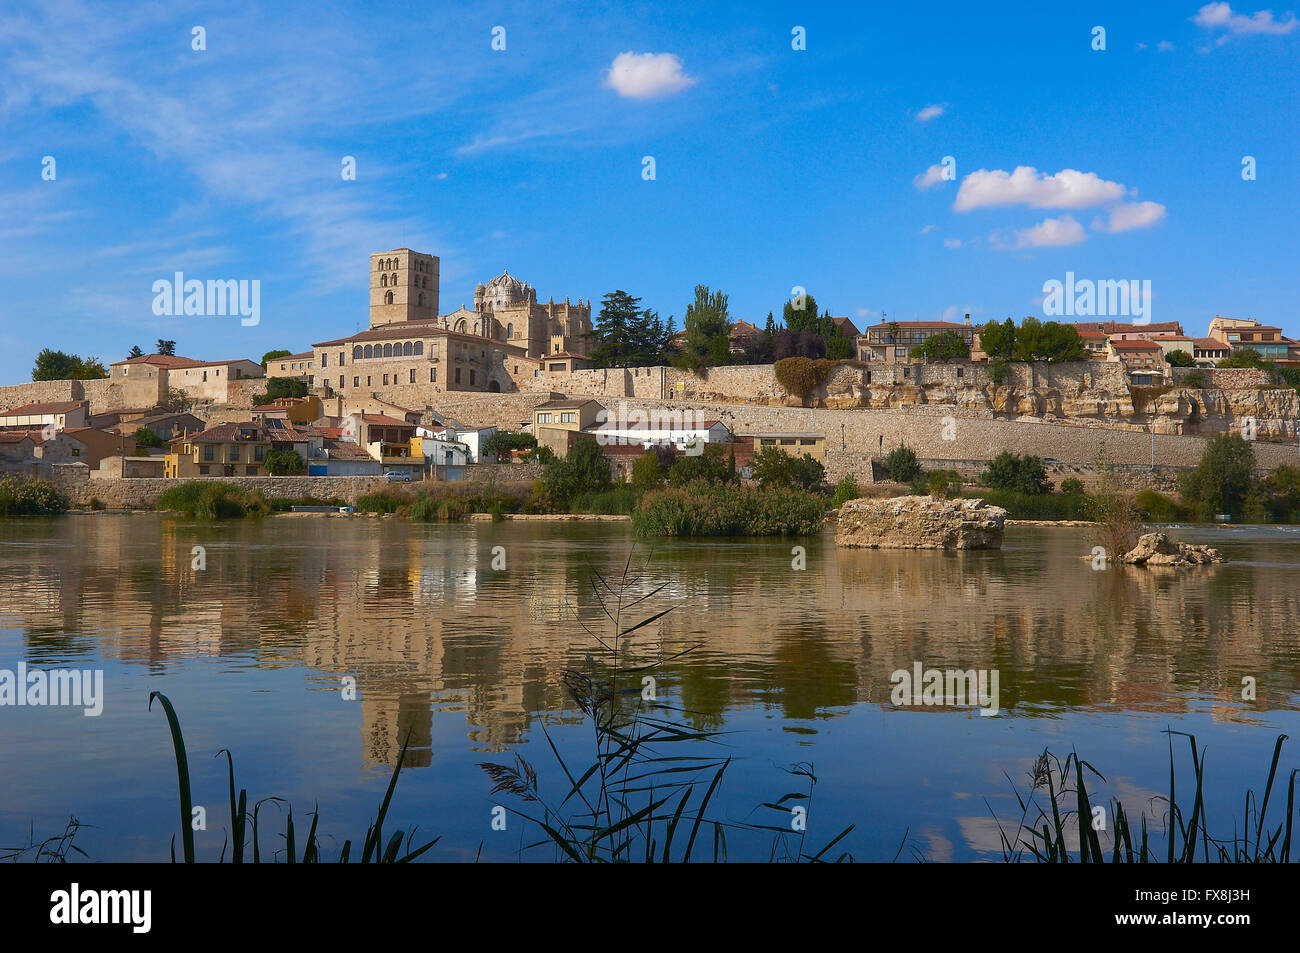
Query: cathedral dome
<point x="505" y="287"/>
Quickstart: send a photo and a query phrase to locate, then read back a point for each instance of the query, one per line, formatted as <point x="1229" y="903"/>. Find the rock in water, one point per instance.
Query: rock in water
<point x="1157" y="549"/>
<point x="920" y="522"/>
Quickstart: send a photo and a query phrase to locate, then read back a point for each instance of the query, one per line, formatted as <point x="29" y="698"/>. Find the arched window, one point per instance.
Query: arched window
<point x="510" y="330"/>
<point x="460" y="325"/>
<point x="369" y="352"/>
<point x="419" y="348"/>
<point x="394" y="280"/>
<point x="383" y="281"/>
<point x="356" y="353"/>
<point x="388" y="350"/>
<point x="388" y="298"/>
<point x="407" y="349"/>
<point x="420" y="299"/>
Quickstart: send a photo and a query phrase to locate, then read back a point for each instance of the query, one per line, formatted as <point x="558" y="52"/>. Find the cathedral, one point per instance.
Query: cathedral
<point x="404" y="288"/>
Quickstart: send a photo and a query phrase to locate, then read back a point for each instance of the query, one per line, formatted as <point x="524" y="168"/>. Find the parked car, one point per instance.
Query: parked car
<point x="397" y="476"/>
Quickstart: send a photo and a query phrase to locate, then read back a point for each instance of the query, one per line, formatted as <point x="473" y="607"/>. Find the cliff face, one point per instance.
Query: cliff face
<point x="1176" y="410"/>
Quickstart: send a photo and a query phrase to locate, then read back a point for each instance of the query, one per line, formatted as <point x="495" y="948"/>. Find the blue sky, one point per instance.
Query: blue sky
<point x="774" y="167"/>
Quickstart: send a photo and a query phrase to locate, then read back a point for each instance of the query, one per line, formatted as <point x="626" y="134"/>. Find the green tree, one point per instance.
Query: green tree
<point x="845" y="490"/>
<point x="57" y="366"/>
<point x="772" y="466"/>
<point x="998" y="341"/>
<point x="177" y="401"/>
<point x="709" y="466"/>
<point x="1049" y="341"/>
<point x="1242" y="357"/>
<point x="146" y="438"/>
<point x="946" y="346"/>
<point x="167" y="347"/>
<point x="135" y="352"/>
<point x="583" y="470"/>
<point x="270" y="356"/>
<point x="1010" y="471"/>
<point x="647" y="472"/>
<point x="708" y="331"/>
<point x="1222" y="480"/>
<point x="1180" y="358"/>
<point x="800" y="314"/>
<point x="277" y="387"/>
<point x="901" y="464"/>
<point x="502" y="442"/>
<point x="284" y="463"/>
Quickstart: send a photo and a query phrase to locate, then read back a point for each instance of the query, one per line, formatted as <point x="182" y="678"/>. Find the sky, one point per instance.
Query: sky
<point x="919" y="161"/>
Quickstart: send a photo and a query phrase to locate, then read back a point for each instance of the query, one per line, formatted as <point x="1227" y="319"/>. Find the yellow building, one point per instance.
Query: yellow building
<point x="294" y="410"/>
<point x="235" y="449"/>
<point x="795" y="444"/>
<point x="555" y="420"/>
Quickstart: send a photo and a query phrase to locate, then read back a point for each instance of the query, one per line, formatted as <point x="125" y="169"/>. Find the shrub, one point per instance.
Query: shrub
<point x="901" y="464"/>
<point x="30" y="496"/>
<point x="284" y="462"/>
<point x="208" y="500"/>
<point x="1035" y="506"/>
<point x="503" y="442"/>
<point x="1010" y="471"/>
<point x="1282" y="491"/>
<point x="1194" y="379"/>
<point x="1072" y="486"/>
<point x="943" y="483"/>
<point x="997" y="371"/>
<point x="946" y="346"/>
<point x="1158" y="508"/>
<point x="772" y="466"/>
<point x="710" y="509"/>
<point x="800" y="376"/>
<point x="386" y="500"/>
<point x="845" y="490"/>
<point x="616" y="501"/>
<point x="1243" y="357"/>
<point x="146" y="438"/>
<point x="1180" y="358"/>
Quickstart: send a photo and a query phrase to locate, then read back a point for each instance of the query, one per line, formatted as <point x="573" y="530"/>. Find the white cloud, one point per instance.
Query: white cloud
<point x="647" y="75"/>
<point x="927" y="230"/>
<point x="933" y="111"/>
<point x="1130" y="215"/>
<point x="1048" y="233"/>
<point x="1068" y="188"/>
<point x="1141" y="46"/>
<point x="1215" y="16"/>
<point x="1164" y="46"/>
<point x="929" y="178"/>
<point x="952" y="243"/>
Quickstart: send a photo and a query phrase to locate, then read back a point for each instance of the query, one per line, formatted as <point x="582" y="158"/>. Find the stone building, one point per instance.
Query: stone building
<point x="509" y="311"/>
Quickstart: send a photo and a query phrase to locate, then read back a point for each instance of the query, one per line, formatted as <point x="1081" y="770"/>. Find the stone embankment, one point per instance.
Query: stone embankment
<point x="919" y="522"/>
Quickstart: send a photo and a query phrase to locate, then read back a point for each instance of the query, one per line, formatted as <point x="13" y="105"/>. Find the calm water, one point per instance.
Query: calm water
<point x="794" y="665"/>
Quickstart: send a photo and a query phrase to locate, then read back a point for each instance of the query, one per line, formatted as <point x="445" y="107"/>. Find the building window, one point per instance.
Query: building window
<point x="207" y="451"/>
<point x="234" y="453"/>
<point x="385" y="380"/>
<point x="413" y="375"/>
<point x="341" y="379"/>
<point x="543" y="418"/>
<point x="388" y="298"/>
<point x="458" y="375"/>
<point x="433" y="375"/>
<point x="341" y="356"/>
<point x="324" y="359"/>
<point x="251" y="471"/>
<point x="568" y="417"/>
<point x="367" y="380"/>
<point x="203" y="471"/>
<point x="257" y="453"/>
<point x="356" y="381"/>
<point x="471" y="377"/>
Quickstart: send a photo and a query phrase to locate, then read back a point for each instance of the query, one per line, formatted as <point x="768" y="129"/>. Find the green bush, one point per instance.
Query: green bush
<point x="997" y="370"/>
<point x="901" y="464"/>
<point x="647" y="472"/>
<point x="386" y="500"/>
<point x="845" y="490"/>
<point x="1194" y="379"/>
<point x="1022" y="474"/>
<point x="711" y="509"/>
<point x="30" y="496"/>
<point x="1222" y="480"/>
<point x="1158" y="508"/>
<point x="943" y="483"/>
<point x="209" y="500"/>
<point x="709" y="466"/>
<point x="772" y="466"/>
<point x="146" y="438"/>
<point x="583" y="470"/>
<point x="1036" y="506"/>
<point x="1072" y="486"/>
<point x="284" y="463"/>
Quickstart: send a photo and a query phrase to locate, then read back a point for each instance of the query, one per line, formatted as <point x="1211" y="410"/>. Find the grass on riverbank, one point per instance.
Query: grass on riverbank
<point x="208" y="500"/>
<point x="722" y="509"/>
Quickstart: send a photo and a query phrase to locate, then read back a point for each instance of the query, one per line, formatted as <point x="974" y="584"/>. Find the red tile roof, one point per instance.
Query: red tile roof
<point x="57" y="407"/>
<point x="1135" y="345"/>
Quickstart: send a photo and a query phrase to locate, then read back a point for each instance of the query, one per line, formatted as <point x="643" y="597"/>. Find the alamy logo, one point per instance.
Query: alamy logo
<point x="56" y="687"/>
<point x="195" y="298"/>
<point x="1087" y="298"/>
<point x="74" y="906"/>
<point x="687" y="430"/>
<point x="952" y="688"/>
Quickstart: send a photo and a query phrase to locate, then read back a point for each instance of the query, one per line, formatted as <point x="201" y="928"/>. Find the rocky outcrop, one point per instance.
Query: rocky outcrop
<point x="920" y="522"/>
<point x="1157" y="549"/>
